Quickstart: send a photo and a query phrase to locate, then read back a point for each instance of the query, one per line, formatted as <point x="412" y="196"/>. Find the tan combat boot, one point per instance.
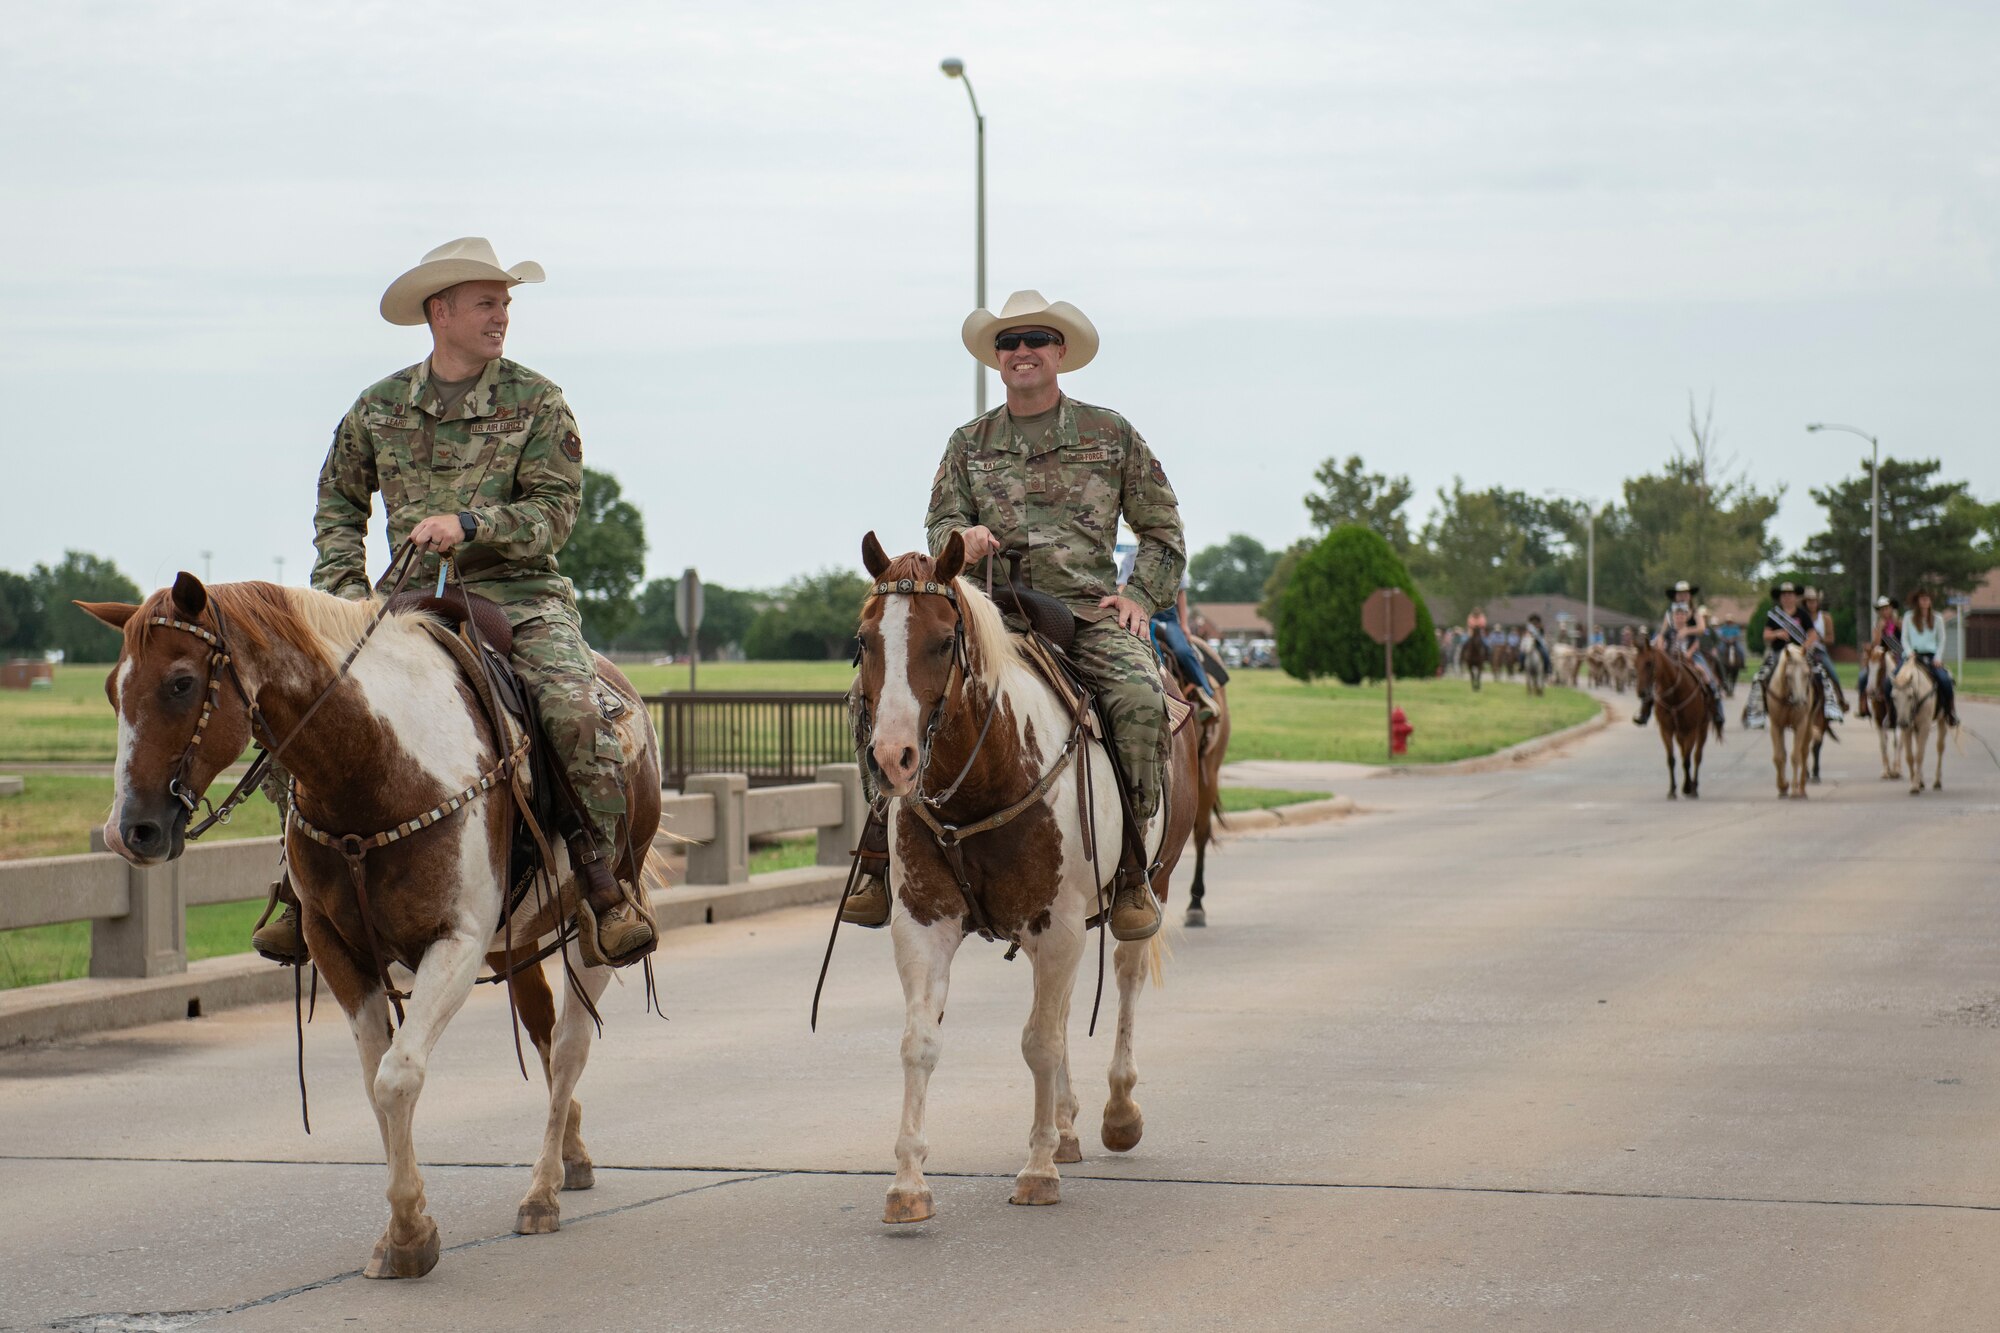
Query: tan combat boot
<point x="611" y="930"/>
<point x="282" y="940"/>
<point x="868" y="905"/>
<point x="1135" y="912"/>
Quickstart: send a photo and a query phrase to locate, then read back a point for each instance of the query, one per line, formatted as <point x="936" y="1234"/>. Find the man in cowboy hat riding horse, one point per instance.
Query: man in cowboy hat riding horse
<point x="479" y="457"/>
<point x="1050" y="476"/>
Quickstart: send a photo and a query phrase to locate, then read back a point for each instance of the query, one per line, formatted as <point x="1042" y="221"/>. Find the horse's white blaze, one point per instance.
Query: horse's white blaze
<point x="128" y="737"/>
<point x="896" y="710"/>
<point x="411" y="687"/>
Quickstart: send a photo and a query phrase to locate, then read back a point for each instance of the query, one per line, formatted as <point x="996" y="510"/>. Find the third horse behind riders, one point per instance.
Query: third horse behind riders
<point x="1049" y="476"/>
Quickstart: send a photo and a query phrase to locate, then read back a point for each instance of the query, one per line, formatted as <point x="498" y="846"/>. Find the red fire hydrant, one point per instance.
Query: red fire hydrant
<point x="1399" y="732"/>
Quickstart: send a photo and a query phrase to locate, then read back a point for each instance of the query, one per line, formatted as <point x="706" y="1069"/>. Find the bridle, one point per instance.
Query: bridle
<point x="222" y="663"/>
<point x="1681" y="667"/>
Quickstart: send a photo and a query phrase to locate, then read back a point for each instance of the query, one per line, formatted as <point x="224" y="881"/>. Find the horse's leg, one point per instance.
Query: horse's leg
<point x="569" y="1052"/>
<point x="1937" y="779"/>
<point x="536" y="1004"/>
<point x="1123" y="1124"/>
<point x="1913" y="756"/>
<point x="923" y="959"/>
<point x="1054" y="953"/>
<point x="409" y="1248"/>
<point x="1197" y="915"/>
<point x="1802" y="756"/>
<point x="1068" y="1147"/>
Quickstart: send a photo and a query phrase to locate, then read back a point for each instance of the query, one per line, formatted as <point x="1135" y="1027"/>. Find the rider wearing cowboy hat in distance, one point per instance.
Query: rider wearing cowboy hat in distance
<point x="1783" y="625"/>
<point x="1051" y="476"/>
<point x="1537" y="639"/>
<point x="1681" y="629"/>
<point x="1888" y="637"/>
<point x="479" y="457"/>
<point x="1923" y="637"/>
<point x="1811" y="614"/>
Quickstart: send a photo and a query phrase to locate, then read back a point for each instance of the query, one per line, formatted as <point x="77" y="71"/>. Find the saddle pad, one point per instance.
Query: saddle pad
<point x="1058" y="673"/>
<point x="1179" y="710"/>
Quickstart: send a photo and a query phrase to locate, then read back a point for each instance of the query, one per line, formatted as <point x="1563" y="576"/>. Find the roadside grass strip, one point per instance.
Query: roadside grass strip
<point x="1273" y="716"/>
<point x="1235" y="799"/>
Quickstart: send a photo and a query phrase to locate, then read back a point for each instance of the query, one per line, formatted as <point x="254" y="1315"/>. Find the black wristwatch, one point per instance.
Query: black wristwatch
<point x="467" y="522"/>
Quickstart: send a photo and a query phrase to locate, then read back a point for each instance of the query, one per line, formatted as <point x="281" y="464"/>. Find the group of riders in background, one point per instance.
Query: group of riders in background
<point x="1716" y="648"/>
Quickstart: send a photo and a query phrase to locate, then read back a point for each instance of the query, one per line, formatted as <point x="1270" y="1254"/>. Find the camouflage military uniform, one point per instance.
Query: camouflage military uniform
<point x="510" y="456"/>
<point x="1060" y="503"/>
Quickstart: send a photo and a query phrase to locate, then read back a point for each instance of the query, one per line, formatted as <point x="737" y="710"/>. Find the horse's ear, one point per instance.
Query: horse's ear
<point x="114" y="614"/>
<point x="873" y="558"/>
<point x="951" y="560"/>
<point x="189" y="596"/>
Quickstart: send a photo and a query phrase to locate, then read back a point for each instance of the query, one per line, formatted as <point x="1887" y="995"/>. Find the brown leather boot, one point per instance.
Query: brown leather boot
<point x="282" y="940"/>
<point x="611" y="930"/>
<point x="868" y="905"/>
<point x="1135" y="912"/>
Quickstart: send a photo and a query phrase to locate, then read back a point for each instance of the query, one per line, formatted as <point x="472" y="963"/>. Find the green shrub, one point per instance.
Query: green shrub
<point x="1319" y="612"/>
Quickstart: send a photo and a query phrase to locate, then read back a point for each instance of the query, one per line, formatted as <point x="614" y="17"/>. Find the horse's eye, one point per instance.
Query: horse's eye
<point x="181" y="687"/>
<point x="943" y="649"/>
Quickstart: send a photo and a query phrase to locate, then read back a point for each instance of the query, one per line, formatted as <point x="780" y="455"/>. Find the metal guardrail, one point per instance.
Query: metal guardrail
<point x="138" y="914"/>
<point x="769" y="736"/>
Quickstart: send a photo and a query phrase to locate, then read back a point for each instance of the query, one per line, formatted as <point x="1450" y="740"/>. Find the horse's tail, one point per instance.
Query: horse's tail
<point x="1158" y="954"/>
<point x="653" y="871"/>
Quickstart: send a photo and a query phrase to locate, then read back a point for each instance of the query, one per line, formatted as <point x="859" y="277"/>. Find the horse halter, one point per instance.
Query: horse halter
<point x="220" y="663"/>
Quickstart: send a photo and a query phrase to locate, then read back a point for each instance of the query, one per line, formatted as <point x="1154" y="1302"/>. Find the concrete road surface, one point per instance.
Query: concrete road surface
<point x="1532" y="1049"/>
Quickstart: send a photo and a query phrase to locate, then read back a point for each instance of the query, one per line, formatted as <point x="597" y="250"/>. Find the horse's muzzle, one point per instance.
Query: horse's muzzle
<point x="147" y="838"/>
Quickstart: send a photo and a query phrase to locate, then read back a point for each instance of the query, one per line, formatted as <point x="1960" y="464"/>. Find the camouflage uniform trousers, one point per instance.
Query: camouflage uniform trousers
<point x="555" y="664"/>
<point x="1121" y="666"/>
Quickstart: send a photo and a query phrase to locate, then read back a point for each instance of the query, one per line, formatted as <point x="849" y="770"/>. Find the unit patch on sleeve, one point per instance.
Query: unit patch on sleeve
<point x="572" y="446"/>
<point x="1159" y="473"/>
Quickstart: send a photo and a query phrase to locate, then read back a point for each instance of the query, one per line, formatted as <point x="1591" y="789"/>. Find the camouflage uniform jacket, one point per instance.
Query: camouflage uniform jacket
<point x="509" y="455"/>
<point x="1061" y="505"/>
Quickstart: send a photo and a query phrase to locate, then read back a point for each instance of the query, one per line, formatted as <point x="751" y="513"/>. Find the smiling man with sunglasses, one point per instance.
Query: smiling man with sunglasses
<point x="1050" y="476"/>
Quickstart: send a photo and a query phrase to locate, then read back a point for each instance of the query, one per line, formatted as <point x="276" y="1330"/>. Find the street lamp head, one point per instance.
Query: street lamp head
<point x="1815" y="425"/>
<point x="953" y="67"/>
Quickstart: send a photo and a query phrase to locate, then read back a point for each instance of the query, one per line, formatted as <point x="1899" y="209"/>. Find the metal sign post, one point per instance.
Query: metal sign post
<point x="1387" y="617"/>
<point x="687" y="611"/>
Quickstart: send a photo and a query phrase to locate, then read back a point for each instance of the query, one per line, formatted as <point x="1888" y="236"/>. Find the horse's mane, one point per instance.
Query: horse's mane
<point x="317" y="624"/>
<point x="994" y="651"/>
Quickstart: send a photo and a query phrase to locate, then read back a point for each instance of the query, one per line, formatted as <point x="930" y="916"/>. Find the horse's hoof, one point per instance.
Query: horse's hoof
<point x="906" y="1206"/>
<point x="1197" y="917"/>
<point x="537" y="1219"/>
<point x="1123" y="1136"/>
<point x="1069" y="1149"/>
<point x="390" y="1260"/>
<point x="579" y="1175"/>
<point x="1036" y="1191"/>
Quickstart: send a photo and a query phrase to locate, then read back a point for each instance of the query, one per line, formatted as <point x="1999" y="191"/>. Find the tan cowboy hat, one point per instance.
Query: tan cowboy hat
<point x="1811" y="593"/>
<point x="467" y="259"/>
<point x="1032" y="310"/>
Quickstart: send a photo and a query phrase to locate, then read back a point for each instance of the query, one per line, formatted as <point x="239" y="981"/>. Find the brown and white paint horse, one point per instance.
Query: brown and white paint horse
<point x="399" y="736"/>
<point x="927" y="706"/>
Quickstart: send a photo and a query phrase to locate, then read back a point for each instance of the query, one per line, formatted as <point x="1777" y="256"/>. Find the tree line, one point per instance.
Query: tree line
<point x="1695" y="517"/>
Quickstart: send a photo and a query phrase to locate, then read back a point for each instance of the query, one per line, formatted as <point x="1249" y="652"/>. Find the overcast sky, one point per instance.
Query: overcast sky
<point x="1503" y="241"/>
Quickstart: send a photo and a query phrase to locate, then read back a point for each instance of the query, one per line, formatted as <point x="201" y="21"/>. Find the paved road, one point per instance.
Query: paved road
<point x="1531" y="1049"/>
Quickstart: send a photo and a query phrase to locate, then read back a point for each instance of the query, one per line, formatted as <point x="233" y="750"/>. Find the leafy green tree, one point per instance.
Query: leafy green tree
<point x="81" y="577"/>
<point x="20" y="615"/>
<point x="1232" y="571"/>
<point x="1479" y="545"/>
<point x="812" y="618"/>
<point x="1932" y="530"/>
<point x="1319" y="611"/>
<point x="725" y="619"/>
<point x="605" y="557"/>
<point x="1349" y="494"/>
<point x="1695" y="519"/>
<point x="1281" y="575"/>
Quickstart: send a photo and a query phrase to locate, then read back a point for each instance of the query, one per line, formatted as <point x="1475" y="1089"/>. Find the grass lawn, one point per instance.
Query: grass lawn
<point x="73" y="721"/>
<point x="1276" y="717"/>
<point x="1235" y="799"/>
<point x="59" y="953"/>
<point x="55" y="812"/>
<point x="1980" y="677"/>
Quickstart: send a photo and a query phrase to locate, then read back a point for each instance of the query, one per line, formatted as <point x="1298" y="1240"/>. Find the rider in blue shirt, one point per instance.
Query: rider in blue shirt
<point x="1923" y="639"/>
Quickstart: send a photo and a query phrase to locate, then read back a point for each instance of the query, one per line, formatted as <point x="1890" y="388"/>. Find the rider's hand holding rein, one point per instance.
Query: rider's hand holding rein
<point x="979" y="543"/>
<point x="439" y="533"/>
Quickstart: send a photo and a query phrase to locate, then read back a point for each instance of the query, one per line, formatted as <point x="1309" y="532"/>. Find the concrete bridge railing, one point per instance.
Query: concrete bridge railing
<point x="138" y="915"/>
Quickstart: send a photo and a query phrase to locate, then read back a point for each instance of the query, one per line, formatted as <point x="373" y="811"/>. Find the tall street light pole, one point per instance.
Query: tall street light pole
<point x="1589" y="562"/>
<point x="954" y="68"/>
<point x="1874" y="509"/>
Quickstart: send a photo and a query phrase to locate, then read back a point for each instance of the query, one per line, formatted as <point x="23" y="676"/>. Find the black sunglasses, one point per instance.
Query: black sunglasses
<point x="1035" y="338"/>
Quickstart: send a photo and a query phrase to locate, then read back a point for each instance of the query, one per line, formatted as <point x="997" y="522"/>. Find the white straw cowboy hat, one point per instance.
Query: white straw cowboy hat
<point x="467" y="259"/>
<point x="1031" y="309"/>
